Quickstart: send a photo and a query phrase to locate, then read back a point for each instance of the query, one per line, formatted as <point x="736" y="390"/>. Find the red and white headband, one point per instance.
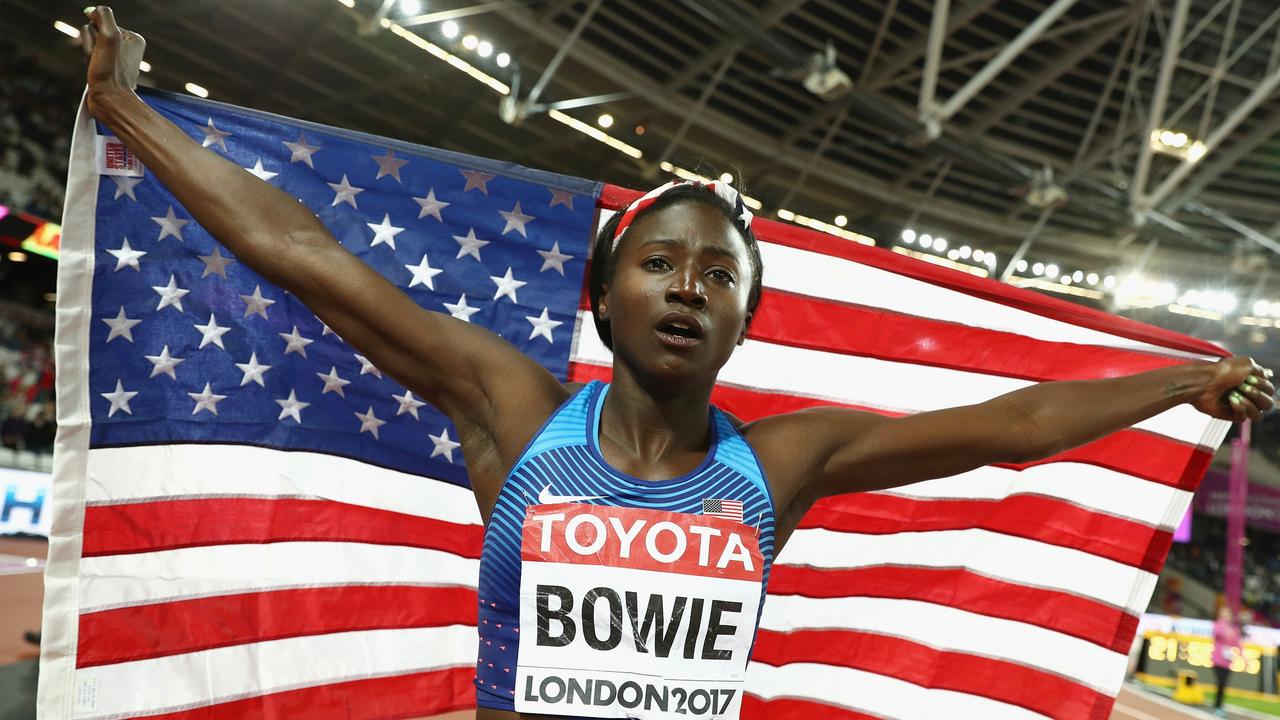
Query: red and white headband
<point x="724" y="191"/>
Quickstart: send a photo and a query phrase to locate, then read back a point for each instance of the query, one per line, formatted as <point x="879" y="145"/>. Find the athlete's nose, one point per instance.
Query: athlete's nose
<point x="686" y="288"/>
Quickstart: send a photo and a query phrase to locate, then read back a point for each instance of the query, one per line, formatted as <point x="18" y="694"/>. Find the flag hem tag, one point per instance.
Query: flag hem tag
<point x="111" y="157"/>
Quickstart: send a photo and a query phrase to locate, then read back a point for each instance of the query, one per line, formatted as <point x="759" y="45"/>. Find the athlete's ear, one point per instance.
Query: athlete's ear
<point x="746" y="323"/>
<point x="602" y="305"/>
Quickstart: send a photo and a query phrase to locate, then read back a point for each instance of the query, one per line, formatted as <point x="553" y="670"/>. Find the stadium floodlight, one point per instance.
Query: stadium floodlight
<point x="450" y="29"/>
<point x="196" y="90"/>
<point x="841" y="220"/>
<point x="484" y="49"/>
<point x="66" y="29"/>
<point x="503" y="60"/>
<point x="908" y="236"/>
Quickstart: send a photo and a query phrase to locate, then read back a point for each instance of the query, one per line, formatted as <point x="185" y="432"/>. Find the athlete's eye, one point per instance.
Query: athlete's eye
<point x="721" y="275"/>
<point x="656" y="263"/>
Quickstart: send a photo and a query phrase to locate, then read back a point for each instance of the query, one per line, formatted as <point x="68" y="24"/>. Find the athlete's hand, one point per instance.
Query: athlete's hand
<point x="1239" y="390"/>
<point x="114" y="58"/>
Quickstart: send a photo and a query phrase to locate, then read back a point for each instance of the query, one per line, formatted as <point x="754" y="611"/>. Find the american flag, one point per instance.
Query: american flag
<point x="727" y="509"/>
<point x="250" y="520"/>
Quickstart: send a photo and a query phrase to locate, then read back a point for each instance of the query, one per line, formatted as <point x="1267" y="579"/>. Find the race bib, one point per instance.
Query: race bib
<point x="629" y="613"/>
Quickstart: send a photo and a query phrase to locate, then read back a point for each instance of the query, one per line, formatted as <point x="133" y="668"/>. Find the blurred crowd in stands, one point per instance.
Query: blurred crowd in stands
<point x="1204" y="560"/>
<point x="37" y="112"/>
<point x="27" y="419"/>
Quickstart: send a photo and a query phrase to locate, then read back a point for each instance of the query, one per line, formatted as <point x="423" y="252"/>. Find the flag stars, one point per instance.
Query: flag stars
<point x="423" y="273"/>
<point x="125" y="186"/>
<point x="430" y="205"/>
<point x="295" y="343"/>
<point x="206" y="399"/>
<point x="543" y="325"/>
<point x="460" y="309"/>
<point x="260" y="172"/>
<point x="389" y="164"/>
<point x="384" y="232"/>
<point x="170" y="224"/>
<point x="562" y="197"/>
<point x="408" y="404"/>
<point x="211" y="333"/>
<point x="121" y="326"/>
<point x="292" y="407"/>
<point x="553" y="259"/>
<point x="126" y="256"/>
<point x="443" y="445"/>
<point x="170" y="295"/>
<point x="164" y="363"/>
<point x="333" y="383"/>
<point x="370" y="423"/>
<point x="366" y="367"/>
<point x="256" y="304"/>
<point x="476" y="180"/>
<point x="301" y="151"/>
<point x="507" y="285"/>
<point x="516" y="220"/>
<point x="469" y="244"/>
<point x="344" y="192"/>
<point x="253" y="372"/>
<point x="215" y="263"/>
<point x="214" y="136"/>
<point x="119" y="399"/>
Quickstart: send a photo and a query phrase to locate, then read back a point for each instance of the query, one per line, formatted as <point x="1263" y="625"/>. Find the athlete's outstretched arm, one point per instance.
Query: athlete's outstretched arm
<point x="467" y="372"/>
<point x="854" y="451"/>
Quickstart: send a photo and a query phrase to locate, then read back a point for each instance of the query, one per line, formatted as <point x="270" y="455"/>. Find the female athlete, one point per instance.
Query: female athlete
<point x="606" y="539"/>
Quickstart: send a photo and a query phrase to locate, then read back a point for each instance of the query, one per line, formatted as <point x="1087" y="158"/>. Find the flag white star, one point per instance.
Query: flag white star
<point x="384" y="232"/>
<point x="333" y="383"/>
<point x="408" y="404"/>
<point x="301" y="150"/>
<point x="125" y="186"/>
<point x="214" y="136"/>
<point x="121" y="326"/>
<point x="543" y="325"/>
<point x="164" y="363"/>
<point x="212" y="333"/>
<point x="461" y="310"/>
<point x="260" y="172"/>
<point x="170" y="294"/>
<point x="443" y="445"/>
<point x="370" y="423"/>
<point x="470" y="244"/>
<point x="562" y="197"/>
<point x="329" y="331"/>
<point x="255" y="303"/>
<point x="119" y="399"/>
<point x="206" y="400"/>
<point x="476" y="180"/>
<point x="292" y="407"/>
<point x="366" y="367"/>
<point x="345" y="192"/>
<point x="170" y="224"/>
<point x="553" y="259"/>
<point x="253" y="371"/>
<point x="389" y="164"/>
<point x="430" y="205"/>
<point x="516" y="220"/>
<point x="294" y="342"/>
<point x="215" y="263"/>
<point x="422" y="273"/>
<point x="126" y="256"/>
<point x="507" y="285"/>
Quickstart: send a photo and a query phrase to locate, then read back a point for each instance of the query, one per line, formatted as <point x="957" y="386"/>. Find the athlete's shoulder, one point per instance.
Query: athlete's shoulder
<point x="573" y="387"/>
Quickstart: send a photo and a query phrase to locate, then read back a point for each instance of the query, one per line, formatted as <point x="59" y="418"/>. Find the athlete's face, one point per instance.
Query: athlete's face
<point x="677" y="303"/>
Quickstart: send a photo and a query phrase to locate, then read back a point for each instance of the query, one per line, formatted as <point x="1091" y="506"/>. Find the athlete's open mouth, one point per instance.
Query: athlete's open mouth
<point x="679" y="329"/>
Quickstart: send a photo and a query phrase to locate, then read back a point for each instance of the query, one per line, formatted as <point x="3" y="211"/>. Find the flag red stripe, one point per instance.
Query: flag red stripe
<point x="1001" y="680"/>
<point x="1133" y="452"/>
<point x="755" y="708"/>
<point x="963" y="589"/>
<point x="794" y="320"/>
<point x="183" y="626"/>
<point x="170" y="524"/>
<point x="1035" y="517"/>
<point x="399" y="696"/>
<point x="613" y="197"/>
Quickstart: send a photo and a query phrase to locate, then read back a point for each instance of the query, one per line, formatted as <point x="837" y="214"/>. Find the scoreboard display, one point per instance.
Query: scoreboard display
<point x="1253" y="667"/>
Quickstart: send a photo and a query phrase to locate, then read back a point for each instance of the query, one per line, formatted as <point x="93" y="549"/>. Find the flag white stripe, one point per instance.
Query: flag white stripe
<point x="874" y="694"/>
<point x="138" y="578"/>
<point x="223" y="674"/>
<point x="1004" y="557"/>
<point x="139" y="473"/>
<point x="886" y="384"/>
<point x="951" y="629"/>
<point x="1087" y="486"/>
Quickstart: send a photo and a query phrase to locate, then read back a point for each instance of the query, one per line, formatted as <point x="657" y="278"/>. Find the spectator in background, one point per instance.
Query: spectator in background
<point x="1226" y="645"/>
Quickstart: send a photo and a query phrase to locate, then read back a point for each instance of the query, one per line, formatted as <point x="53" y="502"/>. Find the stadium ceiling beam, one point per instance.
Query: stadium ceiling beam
<point x="1241" y="147"/>
<point x="912" y="51"/>
<point x="562" y="51"/>
<point x="442" y="15"/>
<point x="1155" y="116"/>
<point x="933" y="114"/>
<point x="932" y="56"/>
<point x="1245" y="231"/>
<point x="698" y="107"/>
<point x="874" y="50"/>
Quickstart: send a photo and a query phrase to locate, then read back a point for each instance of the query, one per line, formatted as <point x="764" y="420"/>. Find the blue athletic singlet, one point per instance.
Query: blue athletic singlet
<point x="639" y="599"/>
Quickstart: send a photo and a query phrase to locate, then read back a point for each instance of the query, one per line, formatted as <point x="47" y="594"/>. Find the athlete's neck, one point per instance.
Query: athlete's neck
<point x="652" y="431"/>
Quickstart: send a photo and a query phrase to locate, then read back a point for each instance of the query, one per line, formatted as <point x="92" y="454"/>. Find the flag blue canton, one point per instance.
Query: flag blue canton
<point x="180" y="336"/>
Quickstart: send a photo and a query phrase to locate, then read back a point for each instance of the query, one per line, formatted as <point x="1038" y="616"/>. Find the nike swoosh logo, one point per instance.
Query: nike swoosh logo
<point x="546" y="498"/>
